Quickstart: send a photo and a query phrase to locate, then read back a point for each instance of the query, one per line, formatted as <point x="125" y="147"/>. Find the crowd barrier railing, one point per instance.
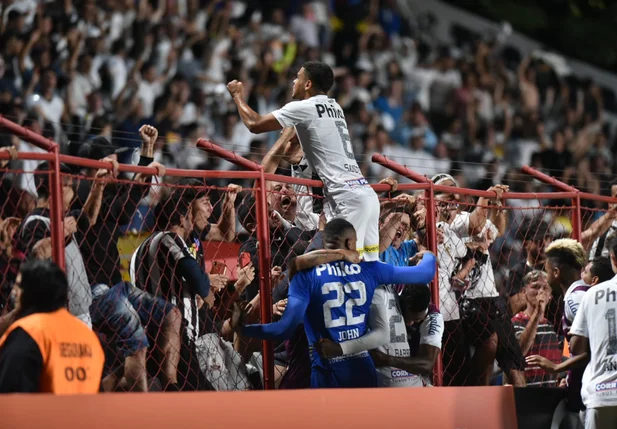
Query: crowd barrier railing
<point x="555" y="213"/>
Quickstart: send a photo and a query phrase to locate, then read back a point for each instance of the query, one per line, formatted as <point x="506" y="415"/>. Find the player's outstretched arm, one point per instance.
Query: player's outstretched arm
<point x="256" y="123"/>
<point x="424" y="272"/>
<point x="319" y="257"/>
<point x="297" y="303"/>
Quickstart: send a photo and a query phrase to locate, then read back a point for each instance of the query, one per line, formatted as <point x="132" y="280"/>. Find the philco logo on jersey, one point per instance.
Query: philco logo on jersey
<point x="332" y="112"/>
<point x="399" y="373"/>
<point x="339" y="269"/>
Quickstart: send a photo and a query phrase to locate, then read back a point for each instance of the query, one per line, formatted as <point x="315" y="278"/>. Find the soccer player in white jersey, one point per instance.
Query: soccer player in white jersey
<point x="322" y="132"/>
<point x="594" y="332"/>
<point x="416" y="333"/>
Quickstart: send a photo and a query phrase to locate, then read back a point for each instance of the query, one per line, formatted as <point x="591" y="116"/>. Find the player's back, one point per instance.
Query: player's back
<point x="340" y="299"/>
<point x="322" y="131"/>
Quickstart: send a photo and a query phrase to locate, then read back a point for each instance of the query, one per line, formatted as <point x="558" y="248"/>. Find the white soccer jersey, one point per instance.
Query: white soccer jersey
<point x="571" y="302"/>
<point x="482" y="278"/>
<point x="322" y="131"/>
<point x="596" y="319"/>
<point x="398" y="345"/>
<point x="305" y="218"/>
<point x="431" y="332"/>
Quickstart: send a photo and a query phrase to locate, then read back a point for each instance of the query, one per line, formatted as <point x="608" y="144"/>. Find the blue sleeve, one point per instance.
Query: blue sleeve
<point x="194" y="275"/>
<point x="424" y="272"/>
<point x="294" y="313"/>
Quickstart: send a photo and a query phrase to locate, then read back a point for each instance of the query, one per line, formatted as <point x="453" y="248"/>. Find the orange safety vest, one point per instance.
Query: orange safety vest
<point x="73" y="358"/>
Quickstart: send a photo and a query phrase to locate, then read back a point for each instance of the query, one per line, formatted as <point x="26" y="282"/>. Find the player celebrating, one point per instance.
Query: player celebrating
<point x="594" y="333"/>
<point x="334" y="301"/>
<point x="322" y="132"/>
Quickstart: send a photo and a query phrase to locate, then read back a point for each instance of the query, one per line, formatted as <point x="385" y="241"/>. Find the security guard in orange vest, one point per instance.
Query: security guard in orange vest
<point x="47" y="349"/>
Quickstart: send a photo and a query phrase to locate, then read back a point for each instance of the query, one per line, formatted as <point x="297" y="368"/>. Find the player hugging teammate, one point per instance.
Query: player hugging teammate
<point x="336" y="299"/>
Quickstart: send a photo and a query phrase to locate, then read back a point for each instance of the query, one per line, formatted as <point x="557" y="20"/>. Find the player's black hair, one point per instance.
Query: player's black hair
<point x="320" y="74"/>
<point x="41" y="178"/>
<point x="416" y="298"/>
<point x="335" y="232"/>
<point x="44" y="287"/>
<point x="602" y="269"/>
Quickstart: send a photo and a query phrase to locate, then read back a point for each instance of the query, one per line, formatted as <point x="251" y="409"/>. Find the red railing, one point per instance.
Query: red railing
<point x="55" y="203"/>
<point x="256" y="172"/>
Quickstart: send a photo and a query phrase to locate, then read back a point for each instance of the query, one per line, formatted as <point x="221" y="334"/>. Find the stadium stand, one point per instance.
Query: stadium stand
<point x="154" y="193"/>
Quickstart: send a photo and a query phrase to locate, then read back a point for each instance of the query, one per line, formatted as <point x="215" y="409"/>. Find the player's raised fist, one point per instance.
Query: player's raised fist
<point x="235" y="88"/>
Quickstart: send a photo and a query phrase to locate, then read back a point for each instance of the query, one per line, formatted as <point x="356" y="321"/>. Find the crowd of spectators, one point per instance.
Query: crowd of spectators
<point x="104" y="79"/>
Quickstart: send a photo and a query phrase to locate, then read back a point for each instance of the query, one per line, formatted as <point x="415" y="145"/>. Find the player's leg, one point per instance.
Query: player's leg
<point x="322" y="378"/>
<point x="357" y="372"/>
<point x="371" y="227"/>
<point x="600" y="418"/>
<point x="360" y="207"/>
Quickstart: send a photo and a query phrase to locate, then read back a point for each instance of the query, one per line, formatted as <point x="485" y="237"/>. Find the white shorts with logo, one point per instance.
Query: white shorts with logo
<point x="394" y="377"/>
<point x="360" y="207"/>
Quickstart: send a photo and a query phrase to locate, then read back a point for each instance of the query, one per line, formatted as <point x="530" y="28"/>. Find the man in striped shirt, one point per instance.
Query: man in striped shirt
<point x="533" y="330"/>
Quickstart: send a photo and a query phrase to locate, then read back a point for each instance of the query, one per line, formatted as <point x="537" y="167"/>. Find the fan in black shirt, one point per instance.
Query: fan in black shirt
<point x="119" y="205"/>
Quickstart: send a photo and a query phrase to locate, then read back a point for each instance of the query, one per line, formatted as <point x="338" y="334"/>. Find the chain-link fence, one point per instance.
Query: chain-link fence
<point x="155" y="259"/>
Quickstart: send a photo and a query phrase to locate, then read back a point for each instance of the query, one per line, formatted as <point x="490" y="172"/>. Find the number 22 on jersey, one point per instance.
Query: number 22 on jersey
<point x="339" y="311"/>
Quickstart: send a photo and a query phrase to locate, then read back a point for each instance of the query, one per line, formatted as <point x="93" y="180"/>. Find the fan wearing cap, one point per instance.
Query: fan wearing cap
<point x="119" y="204"/>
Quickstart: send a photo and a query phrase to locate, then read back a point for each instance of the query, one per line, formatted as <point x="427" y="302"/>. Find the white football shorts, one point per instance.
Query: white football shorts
<point x="360" y="207"/>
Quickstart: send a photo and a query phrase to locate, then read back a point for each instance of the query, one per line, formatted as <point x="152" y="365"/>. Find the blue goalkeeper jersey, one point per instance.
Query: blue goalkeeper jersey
<point x="333" y="300"/>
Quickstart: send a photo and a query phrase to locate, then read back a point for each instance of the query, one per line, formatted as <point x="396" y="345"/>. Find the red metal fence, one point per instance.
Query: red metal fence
<point x="561" y="209"/>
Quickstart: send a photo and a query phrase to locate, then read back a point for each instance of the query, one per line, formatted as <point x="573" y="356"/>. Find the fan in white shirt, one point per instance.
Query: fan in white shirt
<point x="322" y="132"/>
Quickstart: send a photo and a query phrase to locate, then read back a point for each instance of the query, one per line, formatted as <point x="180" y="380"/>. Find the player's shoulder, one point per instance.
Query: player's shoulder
<point x="602" y="291"/>
<point x="577" y="288"/>
<point x="433" y="323"/>
<point x="372" y="266"/>
<point x="300" y="104"/>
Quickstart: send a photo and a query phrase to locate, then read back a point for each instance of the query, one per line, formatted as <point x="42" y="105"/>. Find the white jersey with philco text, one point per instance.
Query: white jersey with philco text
<point x="596" y="319"/>
<point x="431" y="331"/>
<point x="322" y="131"/>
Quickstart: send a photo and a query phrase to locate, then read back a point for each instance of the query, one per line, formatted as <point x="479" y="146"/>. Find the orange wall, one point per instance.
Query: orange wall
<point x="430" y="408"/>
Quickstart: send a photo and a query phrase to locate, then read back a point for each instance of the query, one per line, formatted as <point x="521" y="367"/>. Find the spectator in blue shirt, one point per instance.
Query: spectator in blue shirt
<point x="395" y="248"/>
